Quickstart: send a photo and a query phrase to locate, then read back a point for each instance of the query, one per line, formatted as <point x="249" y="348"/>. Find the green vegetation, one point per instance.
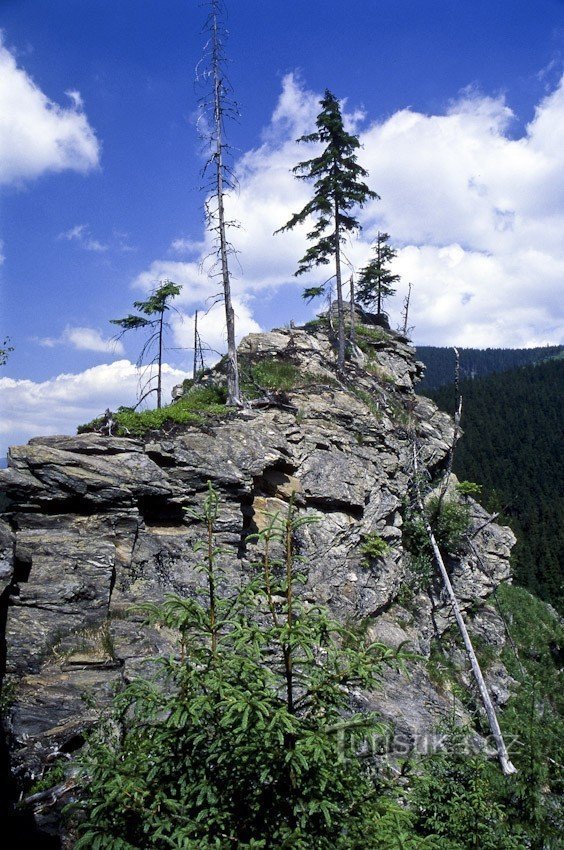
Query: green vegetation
<point x="338" y="189"/>
<point x="455" y="797"/>
<point x="449" y="520"/>
<point x="367" y="336"/>
<point x="191" y="409"/>
<point x="5" y="350"/>
<point x="319" y="323"/>
<point x="454" y="791"/>
<point x="271" y="374"/>
<point x="375" y="281"/>
<point x="512" y="426"/>
<point x="469" y="488"/>
<point x="247" y="738"/>
<point x="367" y="399"/>
<point x="153" y="311"/>
<point x="534" y="714"/>
<point x="373" y="547"/>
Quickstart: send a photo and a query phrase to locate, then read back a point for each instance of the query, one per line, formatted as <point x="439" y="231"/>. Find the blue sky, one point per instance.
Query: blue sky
<point x="460" y="109"/>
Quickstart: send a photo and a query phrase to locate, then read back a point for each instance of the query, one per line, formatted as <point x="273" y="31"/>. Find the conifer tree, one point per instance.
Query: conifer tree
<point x="153" y="320"/>
<point x="246" y="738"/>
<point x="5" y="350"/>
<point x="375" y="282"/>
<point x="338" y="189"/>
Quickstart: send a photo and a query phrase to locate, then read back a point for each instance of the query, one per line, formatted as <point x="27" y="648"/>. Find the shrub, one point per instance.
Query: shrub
<point x="373" y="547"/>
<point x="247" y="738"/>
<point x="449" y="520"/>
<point x="454" y="797"/>
<point x="469" y="488"/>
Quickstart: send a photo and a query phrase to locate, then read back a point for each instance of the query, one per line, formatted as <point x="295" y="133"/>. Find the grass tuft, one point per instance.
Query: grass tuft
<point x="191" y="409"/>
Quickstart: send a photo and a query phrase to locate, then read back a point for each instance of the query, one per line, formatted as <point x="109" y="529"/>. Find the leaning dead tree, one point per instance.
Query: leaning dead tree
<point x="405" y="327"/>
<point x="215" y="106"/>
<point x="503" y="756"/>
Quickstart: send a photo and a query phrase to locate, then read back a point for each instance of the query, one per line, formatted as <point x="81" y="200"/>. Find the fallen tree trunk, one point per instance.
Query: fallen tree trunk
<point x="507" y="767"/>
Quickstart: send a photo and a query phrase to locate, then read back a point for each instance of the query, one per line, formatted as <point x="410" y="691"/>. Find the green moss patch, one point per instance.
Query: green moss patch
<point x="191" y="409"/>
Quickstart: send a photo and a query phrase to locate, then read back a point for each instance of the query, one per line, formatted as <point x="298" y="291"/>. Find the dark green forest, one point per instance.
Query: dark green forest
<point x="512" y="446"/>
<point x="476" y="362"/>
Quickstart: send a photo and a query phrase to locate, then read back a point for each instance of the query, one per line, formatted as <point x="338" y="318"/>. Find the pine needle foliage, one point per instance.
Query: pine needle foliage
<point x="339" y="187"/>
<point x="375" y="281"/>
<point x="246" y="738"/>
<point x="151" y="318"/>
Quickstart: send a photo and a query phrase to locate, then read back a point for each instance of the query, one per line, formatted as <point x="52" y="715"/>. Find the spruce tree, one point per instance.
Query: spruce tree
<point x="338" y="189"/>
<point x="153" y="320"/>
<point x="375" y="282"/>
<point x="246" y="738"/>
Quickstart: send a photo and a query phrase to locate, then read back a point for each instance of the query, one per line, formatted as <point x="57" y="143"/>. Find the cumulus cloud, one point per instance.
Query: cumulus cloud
<point x="211" y="328"/>
<point x="84" y="339"/>
<point x="477" y="216"/>
<point x="57" y="406"/>
<point x="38" y="135"/>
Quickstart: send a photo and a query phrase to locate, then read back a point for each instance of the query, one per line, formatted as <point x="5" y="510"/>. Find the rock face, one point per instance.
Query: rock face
<point x="97" y="524"/>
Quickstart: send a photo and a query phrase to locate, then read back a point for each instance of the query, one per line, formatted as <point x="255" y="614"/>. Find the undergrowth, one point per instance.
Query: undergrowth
<point x="191" y="409"/>
<point x="272" y="375"/>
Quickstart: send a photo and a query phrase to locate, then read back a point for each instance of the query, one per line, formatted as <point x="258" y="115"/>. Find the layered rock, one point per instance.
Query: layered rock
<point x="97" y="524"/>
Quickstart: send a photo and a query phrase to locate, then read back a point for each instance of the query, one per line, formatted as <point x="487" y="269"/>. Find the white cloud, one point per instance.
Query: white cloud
<point x="82" y="236"/>
<point x="57" y="406"/>
<point x="184" y="247"/>
<point x="38" y="135"/>
<point x="477" y="216"/>
<point x="211" y="328"/>
<point x="84" y="339"/>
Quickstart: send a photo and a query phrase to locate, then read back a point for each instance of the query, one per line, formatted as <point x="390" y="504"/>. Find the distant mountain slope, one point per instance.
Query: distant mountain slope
<point x="512" y="445"/>
<point x="476" y="362"/>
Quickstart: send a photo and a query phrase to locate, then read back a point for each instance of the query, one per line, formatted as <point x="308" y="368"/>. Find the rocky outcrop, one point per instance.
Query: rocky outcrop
<point x="97" y="524"/>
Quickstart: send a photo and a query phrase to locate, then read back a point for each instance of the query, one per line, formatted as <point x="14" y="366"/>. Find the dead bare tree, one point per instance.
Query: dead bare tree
<point x="456" y="432"/>
<point x="352" y="335"/>
<point x="198" y="365"/>
<point x="406" y="328"/>
<point x="503" y="756"/>
<point x="216" y="105"/>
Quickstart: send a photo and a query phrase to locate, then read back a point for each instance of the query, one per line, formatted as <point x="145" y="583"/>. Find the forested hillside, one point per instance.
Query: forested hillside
<point x="512" y="446"/>
<point x="476" y="362"/>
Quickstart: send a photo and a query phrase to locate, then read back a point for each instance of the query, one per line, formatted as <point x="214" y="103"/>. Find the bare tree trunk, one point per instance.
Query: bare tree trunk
<point x="406" y="309"/>
<point x="353" y="329"/>
<point x="233" y="393"/>
<point x="195" y="369"/>
<point x="160" y="362"/>
<point x="456" y="432"/>
<point x="340" y="305"/>
<point x="379" y="259"/>
<point x="506" y="765"/>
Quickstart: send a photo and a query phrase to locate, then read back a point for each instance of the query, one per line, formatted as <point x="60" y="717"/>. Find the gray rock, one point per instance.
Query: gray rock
<point x="101" y="524"/>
